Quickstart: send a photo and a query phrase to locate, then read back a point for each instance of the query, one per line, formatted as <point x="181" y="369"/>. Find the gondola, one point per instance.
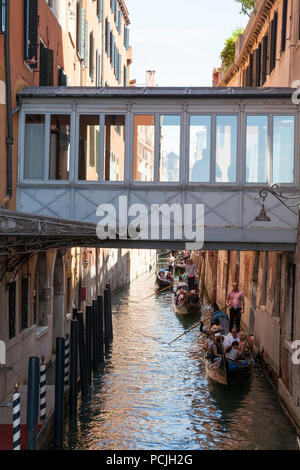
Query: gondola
<point x="187" y="308"/>
<point x="226" y="372"/>
<point x="161" y="283"/>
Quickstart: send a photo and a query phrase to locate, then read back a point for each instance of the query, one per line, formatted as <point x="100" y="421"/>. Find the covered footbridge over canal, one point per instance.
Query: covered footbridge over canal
<point x="218" y="147"/>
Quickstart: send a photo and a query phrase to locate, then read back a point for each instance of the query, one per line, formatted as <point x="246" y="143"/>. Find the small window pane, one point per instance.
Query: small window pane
<point x="114" y="148"/>
<point x="200" y="148"/>
<point x="226" y="149"/>
<point x="34" y="146"/>
<point x="283" y="149"/>
<point x="88" y="148"/>
<point x="257" y="141"/>
<point x="59" y="157"/>
<point x="169" y="156"/>
<point x="143" y="158"/>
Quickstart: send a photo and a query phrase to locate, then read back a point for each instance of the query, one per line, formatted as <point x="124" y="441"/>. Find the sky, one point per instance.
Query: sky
<point x="180" y="39"/>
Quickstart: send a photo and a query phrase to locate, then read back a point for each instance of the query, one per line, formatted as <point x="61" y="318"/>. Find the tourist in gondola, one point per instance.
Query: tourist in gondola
<point x="233" y="352"/>
<point x="216" y="349"/>
<point x="191" y="271"/>
<point x="228" y="340"/>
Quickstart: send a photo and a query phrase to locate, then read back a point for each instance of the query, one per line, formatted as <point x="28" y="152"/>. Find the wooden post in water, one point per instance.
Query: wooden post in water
<point x="82" y="355"/>
<point x="88" y="339"/>
<point x="95" y="338"/>
<point x="106" y="321"/>
<point x="100" y="327"/>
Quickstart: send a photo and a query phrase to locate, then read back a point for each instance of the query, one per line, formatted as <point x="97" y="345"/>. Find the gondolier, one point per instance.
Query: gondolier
<point x="191" y="271"/>
<point x="235" y="300"/>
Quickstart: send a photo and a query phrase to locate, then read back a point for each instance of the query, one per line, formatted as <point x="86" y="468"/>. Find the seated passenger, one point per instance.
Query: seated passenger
<point x="216" y="349"/>
<point x="233" y="336"/>
<point x="180" y="297"/>
<point x="232" y="353"/>
<point x="243" y="346"/>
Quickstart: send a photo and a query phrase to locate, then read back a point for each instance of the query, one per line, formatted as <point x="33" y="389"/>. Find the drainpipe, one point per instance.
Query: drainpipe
<point x="9" y="138"/>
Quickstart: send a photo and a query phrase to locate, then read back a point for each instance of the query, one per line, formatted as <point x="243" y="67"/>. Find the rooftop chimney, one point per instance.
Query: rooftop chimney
<point x="150" y="78"/>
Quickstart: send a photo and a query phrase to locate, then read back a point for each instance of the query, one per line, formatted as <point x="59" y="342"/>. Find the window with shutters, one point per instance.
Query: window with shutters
<point x="99" y="9"/>
<point x="126" y="38"/>
<point x="284" y="24"/>
<point x="98" y="68"/>
<point x="107" y="38"/>
<point x="62" y="77"/>
<point x="92" y="62"/>
<point x="85" y="44"/>
<point x="258" y="67"/>
<point x="46" y="66"/>
<point x="2" y="16"/>
<point x="264" y="59"/>
<point x="119" y="21"/>
<point x="273" y="42"/>
<point x="31" y="20"/>
<point x="25" y="305"/>
<point x="12" y="309"/>
<point x="80" y="30"/>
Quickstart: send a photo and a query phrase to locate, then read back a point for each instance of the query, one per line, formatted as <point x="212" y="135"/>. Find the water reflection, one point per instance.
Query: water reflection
<point x="153" y="396"/>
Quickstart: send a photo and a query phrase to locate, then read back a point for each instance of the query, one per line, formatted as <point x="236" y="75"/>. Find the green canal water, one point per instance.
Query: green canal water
<point x="153" y="396"/>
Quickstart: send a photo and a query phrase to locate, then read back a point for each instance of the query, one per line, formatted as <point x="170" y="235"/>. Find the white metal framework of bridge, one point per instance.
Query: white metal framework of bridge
<point x="82" y="147"/>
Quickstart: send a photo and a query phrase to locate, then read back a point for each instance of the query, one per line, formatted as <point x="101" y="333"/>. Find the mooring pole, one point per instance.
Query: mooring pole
<point x="33" y="402"/>
<point x="73" y="367"/>
<point x="95" y="338"/>
<point x="106" y="320"/>
<point x="82" y="355"/>
<point x="43" y="389"/>
<point x="59" y="393"/>
<point x="110" y="313"/>
<point x="88" y="339"/>
<point x="16" y="419"/>
<point x="100" y="327"/>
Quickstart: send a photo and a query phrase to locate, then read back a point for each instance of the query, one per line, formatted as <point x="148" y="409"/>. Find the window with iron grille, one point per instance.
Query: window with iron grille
<point x="12" y="309"/>
<point x="25" y="303"/>
<point x="31" y="23"/>
<point x="2" y="16"/>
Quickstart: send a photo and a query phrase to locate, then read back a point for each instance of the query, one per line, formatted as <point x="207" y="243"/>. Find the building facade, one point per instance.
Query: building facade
<point x="267" y="54"/>
<point x="56" y="43"/>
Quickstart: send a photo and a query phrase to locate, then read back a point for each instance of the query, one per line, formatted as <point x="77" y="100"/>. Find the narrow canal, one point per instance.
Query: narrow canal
<point x="153" y="396"/>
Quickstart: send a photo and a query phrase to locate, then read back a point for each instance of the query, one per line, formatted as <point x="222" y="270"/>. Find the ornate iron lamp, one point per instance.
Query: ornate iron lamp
<point x="290" y="202"/>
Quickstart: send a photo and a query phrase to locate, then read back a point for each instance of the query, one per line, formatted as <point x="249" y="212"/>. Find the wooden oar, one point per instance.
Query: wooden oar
<point x="157" y="292"/>
<point x="197" y="324"/>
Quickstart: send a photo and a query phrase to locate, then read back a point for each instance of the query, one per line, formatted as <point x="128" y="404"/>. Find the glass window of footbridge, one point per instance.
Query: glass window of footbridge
<point x="256" y="153"/>
<point x="283" y="149"/>
<point x="59" y="157"/>
<point x="114" y="148"/>
<point x="34" y="146"/>
<point x="143" y="156"/>
<point x="88" y="148"/>
<point x="226" y="149"/>
<point x="169" y="148"/>
<point x="199" y="162"/>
